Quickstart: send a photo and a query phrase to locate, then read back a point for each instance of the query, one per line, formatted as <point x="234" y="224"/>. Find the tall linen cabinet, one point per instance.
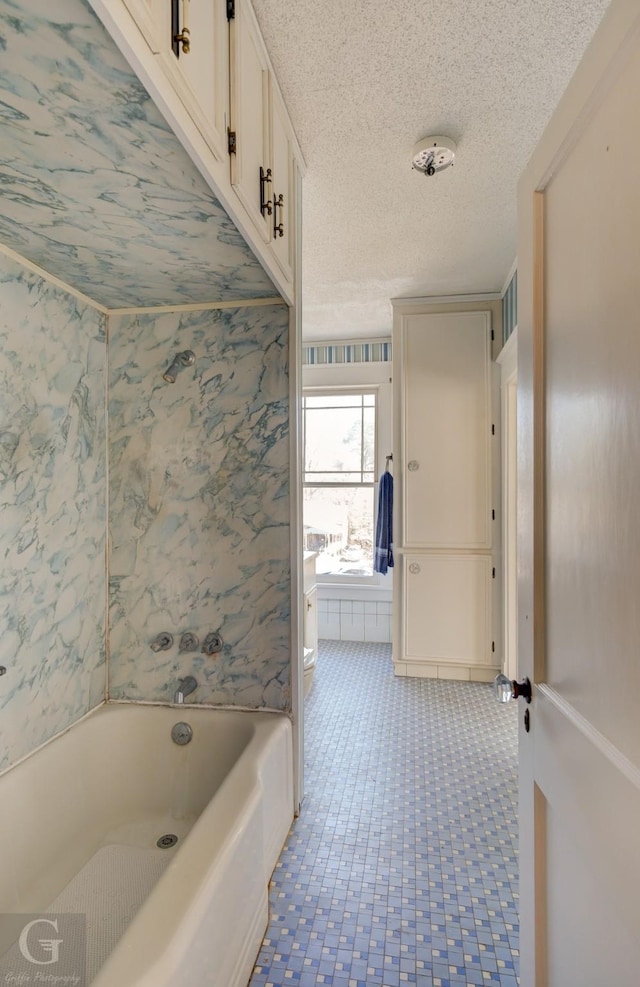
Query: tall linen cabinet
<point x="446" y="523"/>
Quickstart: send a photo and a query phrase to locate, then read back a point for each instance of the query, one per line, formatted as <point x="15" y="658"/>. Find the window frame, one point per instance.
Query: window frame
<point x="329" y="390"/>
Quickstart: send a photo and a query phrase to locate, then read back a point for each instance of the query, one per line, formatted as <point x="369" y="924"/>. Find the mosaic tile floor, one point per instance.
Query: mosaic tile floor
<point x="402" y="867"/>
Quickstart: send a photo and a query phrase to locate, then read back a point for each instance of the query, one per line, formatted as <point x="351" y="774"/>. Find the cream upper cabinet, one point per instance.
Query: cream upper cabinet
<point x="206" y="66"/>
<point x="200" y="75"/>
<point x="283" y="181"/>
<point x="149" y="15"/>
<point x="251" y="173"/>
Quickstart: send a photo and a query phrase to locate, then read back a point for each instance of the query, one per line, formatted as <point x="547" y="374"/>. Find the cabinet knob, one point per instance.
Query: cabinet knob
<point x="414" y="569"/>
<point x="413" y="465"/>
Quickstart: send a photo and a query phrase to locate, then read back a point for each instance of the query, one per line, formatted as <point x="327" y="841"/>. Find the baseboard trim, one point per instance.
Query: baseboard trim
<point x="457" y="672"/>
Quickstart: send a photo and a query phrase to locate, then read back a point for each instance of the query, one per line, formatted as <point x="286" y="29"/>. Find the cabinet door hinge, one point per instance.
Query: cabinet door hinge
<point x="493" y="335"/>
<point x="493" y="515"/>
<point x="231" y="10"/>
<point x="493" y="573"/>
<point x="232" y="146"/>
<point x="493" y="645"/>
<point x="493" y="430"/>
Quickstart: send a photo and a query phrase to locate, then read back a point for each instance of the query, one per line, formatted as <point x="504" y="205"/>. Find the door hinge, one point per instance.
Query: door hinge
<point x="232" y="145"/>
<point x="493" y="335"/>
<point x="493" y="573"/>
<point x="493" y="430"/>
<point x="231" y="10"/>
<point x="493" y="645"/>
<point x="493" y="515"/>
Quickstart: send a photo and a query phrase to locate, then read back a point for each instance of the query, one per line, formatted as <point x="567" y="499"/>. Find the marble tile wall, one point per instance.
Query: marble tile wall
<point x="52" y="509"/>
<point x="97" y="190"/>
<point x="199" y="504"/>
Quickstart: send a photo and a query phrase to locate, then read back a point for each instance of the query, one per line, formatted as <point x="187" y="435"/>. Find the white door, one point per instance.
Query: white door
<point x="579" y="549"/>
<point x="508" y="361"/>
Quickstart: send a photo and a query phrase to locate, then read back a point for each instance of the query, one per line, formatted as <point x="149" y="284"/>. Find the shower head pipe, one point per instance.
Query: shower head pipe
<point x="185" y="359"/>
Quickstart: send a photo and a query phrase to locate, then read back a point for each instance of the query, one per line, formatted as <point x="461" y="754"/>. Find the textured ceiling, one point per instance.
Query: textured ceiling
<point x="363" y="82"/>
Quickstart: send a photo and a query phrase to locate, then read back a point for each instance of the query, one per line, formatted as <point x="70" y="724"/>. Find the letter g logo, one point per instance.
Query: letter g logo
<point x="47" y="945"/>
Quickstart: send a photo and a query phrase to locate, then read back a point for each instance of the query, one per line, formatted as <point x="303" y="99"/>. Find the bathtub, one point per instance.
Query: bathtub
<point x="81" y="818"/>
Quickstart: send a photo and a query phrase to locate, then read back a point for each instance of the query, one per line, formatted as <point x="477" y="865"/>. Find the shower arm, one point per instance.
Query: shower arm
<point x="186" y="358"/>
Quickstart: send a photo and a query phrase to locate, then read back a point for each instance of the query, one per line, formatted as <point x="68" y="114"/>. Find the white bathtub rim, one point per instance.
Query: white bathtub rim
<point x="226" y="708"/>
<point x="141" y="702"/>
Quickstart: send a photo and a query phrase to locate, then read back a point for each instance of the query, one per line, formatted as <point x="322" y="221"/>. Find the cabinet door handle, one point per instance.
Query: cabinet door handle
<point x="265" y="204"/>
<point x="184" y="37"/>
<point x="278" y="227"/>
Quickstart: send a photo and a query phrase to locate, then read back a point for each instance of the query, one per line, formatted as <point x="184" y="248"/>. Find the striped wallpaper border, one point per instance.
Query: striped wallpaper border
<point x="336" y="353"/>
<point x="510" y="308"/>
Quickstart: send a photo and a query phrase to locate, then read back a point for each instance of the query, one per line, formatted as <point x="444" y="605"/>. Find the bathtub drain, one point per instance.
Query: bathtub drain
<point x="169" y="839"/>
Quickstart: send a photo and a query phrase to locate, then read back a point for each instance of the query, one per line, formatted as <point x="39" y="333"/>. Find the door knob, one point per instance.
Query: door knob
<point x="508" y="689"/>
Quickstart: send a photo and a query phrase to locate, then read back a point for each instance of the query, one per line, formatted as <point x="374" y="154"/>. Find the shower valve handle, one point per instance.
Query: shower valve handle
<point x="212" y="643"/>
<point x="163" y="642"/>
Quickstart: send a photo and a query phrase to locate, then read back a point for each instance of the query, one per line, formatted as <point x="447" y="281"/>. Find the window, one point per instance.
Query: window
<point x="339" y="464"/>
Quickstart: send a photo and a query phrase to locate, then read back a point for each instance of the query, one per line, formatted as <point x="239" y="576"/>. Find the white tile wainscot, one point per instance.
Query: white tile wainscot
<point x="354" y="613"/>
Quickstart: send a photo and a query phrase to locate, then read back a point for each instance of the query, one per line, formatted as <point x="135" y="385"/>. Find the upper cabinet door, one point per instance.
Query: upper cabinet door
<point x="198" y="67"/>
<point x="150" y="16"/>
<point x="251" y="174"/>
<point x="283" y="176"/>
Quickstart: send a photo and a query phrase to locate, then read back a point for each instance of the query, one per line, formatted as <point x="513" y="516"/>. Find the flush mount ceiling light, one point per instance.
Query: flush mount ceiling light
<point x="433" y="154"/>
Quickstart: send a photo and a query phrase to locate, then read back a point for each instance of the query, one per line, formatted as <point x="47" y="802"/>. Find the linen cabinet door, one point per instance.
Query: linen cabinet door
<point x="251" y="175"/>
<point x="447" y="613"/>
<point x="446" y="420"/>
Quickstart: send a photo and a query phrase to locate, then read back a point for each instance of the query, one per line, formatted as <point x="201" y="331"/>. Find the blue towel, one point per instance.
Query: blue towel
<point x="384" y="527"/>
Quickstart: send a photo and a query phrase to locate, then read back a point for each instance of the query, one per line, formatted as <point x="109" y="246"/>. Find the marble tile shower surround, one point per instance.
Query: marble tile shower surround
<point x="95" y="188"/>
<point x="53" y="510"/>
<point x="199" y="504"/>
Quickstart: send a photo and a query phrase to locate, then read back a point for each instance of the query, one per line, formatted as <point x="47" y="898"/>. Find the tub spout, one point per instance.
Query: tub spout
<point x="185" y="687"/>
